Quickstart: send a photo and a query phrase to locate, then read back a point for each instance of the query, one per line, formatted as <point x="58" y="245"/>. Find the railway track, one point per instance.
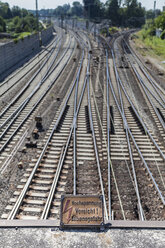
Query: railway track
<point x="99" y="142"/>
<point x="15" y="115"/>
<point x="27" y="70"/>
<point x="133" y="145"/>
<point x="66" y="143"/>
<point x="152" y="92"/>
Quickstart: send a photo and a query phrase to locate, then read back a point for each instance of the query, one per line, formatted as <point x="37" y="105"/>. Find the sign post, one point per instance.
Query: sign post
<point x="82" y="211"/>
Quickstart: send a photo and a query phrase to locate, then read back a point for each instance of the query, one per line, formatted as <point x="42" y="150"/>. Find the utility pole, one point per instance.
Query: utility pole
<point x="72" y="23"/>
<point x="39" y="36"/>
<point x="37" y="15"/>
<point x="154" y="9"/>
<point x="88" y="17"/>
<point x="62" y="19"/>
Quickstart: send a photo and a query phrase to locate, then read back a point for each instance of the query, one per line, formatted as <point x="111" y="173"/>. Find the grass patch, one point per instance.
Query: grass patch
<point x="150" y="44"/>
<point x="113" y="30"/>
<point x="21" y="35"/>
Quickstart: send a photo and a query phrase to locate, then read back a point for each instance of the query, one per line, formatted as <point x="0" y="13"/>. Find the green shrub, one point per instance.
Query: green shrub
<point x="155" y="44"/>
<point x="162" y="36"/>
<point x="15" y="40"/>
<point x="2" y="25"/>
<point x="113" y="30"/>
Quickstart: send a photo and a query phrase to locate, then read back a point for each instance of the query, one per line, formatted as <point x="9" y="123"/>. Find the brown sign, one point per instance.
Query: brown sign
<point x="81" y="211"/>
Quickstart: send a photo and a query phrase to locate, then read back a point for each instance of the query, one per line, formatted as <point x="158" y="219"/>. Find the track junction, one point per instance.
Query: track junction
<point x="102" y="131"/>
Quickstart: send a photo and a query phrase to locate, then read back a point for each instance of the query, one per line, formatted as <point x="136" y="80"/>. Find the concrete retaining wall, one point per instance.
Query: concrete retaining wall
<point x="46" y="35"/>
<point x="12" y="53"/>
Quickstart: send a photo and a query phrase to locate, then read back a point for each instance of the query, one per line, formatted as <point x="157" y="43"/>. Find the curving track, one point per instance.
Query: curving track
<point x="107" y="136"/>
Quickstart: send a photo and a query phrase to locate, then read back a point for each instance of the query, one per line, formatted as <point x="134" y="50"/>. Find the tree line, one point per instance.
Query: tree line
<point x="16" y="20"/>
<point x="127" y="13"/>
<point x="149" y="29"/>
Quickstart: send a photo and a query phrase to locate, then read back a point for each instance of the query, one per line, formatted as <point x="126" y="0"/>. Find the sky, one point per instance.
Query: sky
<point x="52" y="4"/>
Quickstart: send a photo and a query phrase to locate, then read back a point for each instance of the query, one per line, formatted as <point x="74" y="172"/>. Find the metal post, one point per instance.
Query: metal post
<point x="72" y="23"/>
<point x="37" y="15"/>
<point x="62" y="18"/>
<point x="154" y="9"/>
<point x="95" y="31"/>
<point x="39" y="36"/>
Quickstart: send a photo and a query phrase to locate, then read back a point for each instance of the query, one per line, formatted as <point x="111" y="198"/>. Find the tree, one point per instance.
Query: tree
<point x="113" y="11"/>
<point x="59" y="11"/>
<point x="31" y="22"/>
<point x="93" y="9"/>
<point x="62" y="10"/>
<point x="24" y="12"/>
<point x="150" y="14"/>
<point x="2" y="25"/>
<point x="130" y="14"/>
<point x="17" y="24"/>
<point x="5" y="11"/>
<point x="135" y="13"/>
<point x="16" y="11"/>
<point x="77" y="9"/>
<point x="160" y="21"/>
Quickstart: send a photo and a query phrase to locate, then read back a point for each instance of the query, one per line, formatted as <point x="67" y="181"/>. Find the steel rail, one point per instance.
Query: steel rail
<point x="74" y="131"/>
<point x="74" y="137"/>
<point x="149" y="99"/>
<point x="13" y="152"/>
<point x="155" y="85"/>
<point x="29" y="82"/>
<point x="74" y="158"/>
<point x="141" y="212"/>
<point x="53" y="187"/>
<point x="141" y="121"/>
<point x="62" y="157"/>
<point x="15" y="117"/>
<point x="108" y="152"/>
<point x="57" y="63"/>
<point x="78" y="37"/>
<point x="142" y="81"/>
<point x="26" y="187"/>
<point x="141" y="215"/>
<point x="137" y="114"/>
<point x="130" y="150"/>
<point x="89" y="43"/>
<point x="145" y="88"/>
<point x="146" y="166"/>
<point x="95" y="143"/>
<point x="35" y="105"/>
<point x="48" y="72"/>
<point x="140" y="154"/>
<point x="24" y="103"/>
